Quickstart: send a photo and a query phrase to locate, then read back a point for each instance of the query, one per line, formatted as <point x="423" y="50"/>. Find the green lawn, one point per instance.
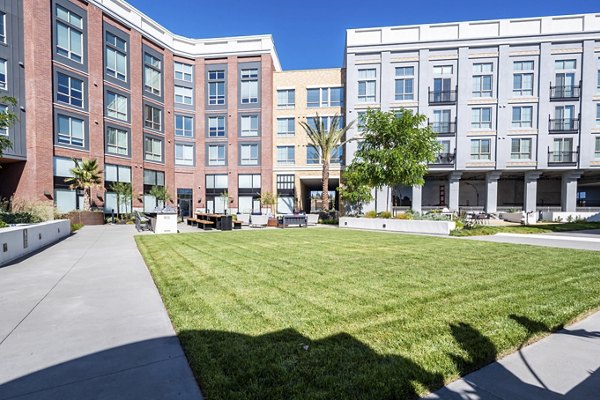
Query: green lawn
<point x="341" y="314"/>
<point x="480" y="230"/>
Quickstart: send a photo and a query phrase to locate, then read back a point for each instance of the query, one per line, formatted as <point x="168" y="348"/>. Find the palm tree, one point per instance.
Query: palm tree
<point x="85" y="176"/>
<point x="326" y="141"/>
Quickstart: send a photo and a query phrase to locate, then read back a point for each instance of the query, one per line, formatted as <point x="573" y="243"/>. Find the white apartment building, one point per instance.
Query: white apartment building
<point x="515" y="103"/>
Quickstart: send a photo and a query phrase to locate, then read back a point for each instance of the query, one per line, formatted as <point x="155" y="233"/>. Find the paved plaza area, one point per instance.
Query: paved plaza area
<point x="84" y="320"/>
<point x="581" y="240"/>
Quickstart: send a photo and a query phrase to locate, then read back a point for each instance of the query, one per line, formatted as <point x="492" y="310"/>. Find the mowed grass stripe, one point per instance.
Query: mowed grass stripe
<point x="384" y="316"/>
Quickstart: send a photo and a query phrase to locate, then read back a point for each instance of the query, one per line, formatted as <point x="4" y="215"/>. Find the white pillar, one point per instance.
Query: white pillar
<point x="417" y="198"/>
<point x="568" y="191"/>
<point x="491" y="192"/>
<point x="530" y="191"/>
<point x="454" y="190"/>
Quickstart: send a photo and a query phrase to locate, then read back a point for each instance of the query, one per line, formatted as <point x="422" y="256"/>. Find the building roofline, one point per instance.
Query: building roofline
<point x="188" y="47"/>
<point x="478" y="29"/>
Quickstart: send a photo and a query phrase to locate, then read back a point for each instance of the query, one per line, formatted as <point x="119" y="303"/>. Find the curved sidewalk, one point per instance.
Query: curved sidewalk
<point x="84" y="320"/>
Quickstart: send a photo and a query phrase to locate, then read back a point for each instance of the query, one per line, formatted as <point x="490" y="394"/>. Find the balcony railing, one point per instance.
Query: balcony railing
<point x="564" y="125"/>
<point x="569" y="92"/>
<point x="443" y="128"/>
<point x="562" y="157"/>
<point x="442" y="96"/>
<point x="445" y="159"/>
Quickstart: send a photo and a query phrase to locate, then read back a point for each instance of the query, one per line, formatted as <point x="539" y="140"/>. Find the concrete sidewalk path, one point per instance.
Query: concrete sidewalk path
<point x="563" y="366"/>
<point x="84" y="320"/>
<point x="582" y="240"/>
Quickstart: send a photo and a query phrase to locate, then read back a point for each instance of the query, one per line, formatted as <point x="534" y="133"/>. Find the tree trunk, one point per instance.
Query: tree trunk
<point x="325" y="187"/>
<point x="86" y="199"/>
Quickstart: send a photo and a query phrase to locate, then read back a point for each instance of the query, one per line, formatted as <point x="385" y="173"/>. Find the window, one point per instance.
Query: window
<point x="216" y="87"/>
<point x="117" y="141"/>
<point x="184" y="126"/>
<point x="337" y="155"/>
<point x="442" y="70"/>
<point x="152" y="117"/>
<point x="2" y="27"/>
<point x="183" y="95"/>
<point x="523" y="78"/>
<point x="249" y="154"/>
<point x="69" y="34"/>
<point x="481" y="118"/>
<point x="152" y="74"/>
<point x="152" y="149"/>
<point x="216" y="126"/>
<point x="3" y="74"/>
<point x="522" y="117"/>
<point x="286" y="98"/>
<point x="183" y="72"/>
<point x="116" y="57"/>
<point x="598" y="114"/>
<point x="480" y="149"/>
<point x="116" y="106"/>
<point x="249" y="181"/>
<point x="313" y="156"/>
<point x="249" y="86"/>
<point x="482" y="80"/>
<point x="117" y="173"/>
<point x="366" y="85"/>
<point x="217" y="182"/>
<point x="249" y="125"/>
<point x="69" y="90"/>
<point x="286" y="155"/>
<point x="597" y="148"/>
<point x="562" y="151"/>
<point x="565" y="65"/>
<point x="286" y="126"/>
<point x="326" y="121"/>
<point x="184" y="154"/>
<point x="154" y="178"/>
<point x="520" y="149"/>
<point x="324" y="97"/>
<point x="405" y="83"/>
<point x="71" y="131"/>
<point x="3" y="131"/>
<point x="216" y="154"/>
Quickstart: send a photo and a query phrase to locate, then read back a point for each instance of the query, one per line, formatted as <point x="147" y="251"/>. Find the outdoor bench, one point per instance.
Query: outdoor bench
<point x="206" y="225"/>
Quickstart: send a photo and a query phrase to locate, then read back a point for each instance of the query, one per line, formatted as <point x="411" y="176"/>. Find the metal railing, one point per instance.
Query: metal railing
<point x="443" y="128"/>
<point x="566" y="92"/>
<point x="445" y="159"/>
<point x="562" y="157"/>
<point x="443" y="96"/>
<point x="563" y="125"/>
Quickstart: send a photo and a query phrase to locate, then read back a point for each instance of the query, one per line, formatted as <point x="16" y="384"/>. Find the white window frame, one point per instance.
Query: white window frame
<point x="184" y="95"/>
<point x="185" y="148"/>
<point x="249" y="159"/>
<point x="480" y="155"/>
<point x="3" y="74"/>
<point x="71" y="90"/>
<point x="247" y="128"/>
<point x="183" y="71"/>
<point x="119" y="101"/>
<point x="183" y="132"/>
<point x="404" y="77"/>
<point x="4" y="131"/>
<point x="249" y="86"/>
<point x="3" y="30"/>
<point x="152" y="74"/>
<point x="522" y="123"/>
<point x="151" y="123"/>
<point x="284" y="94"/>
<point x="216" y="80"/>
<point x="155" y="152"/>
<point x="481" y="71"/>
<point x="597" y="148"/>
<point x="522" y="153"/>
<point x="523" y="91"/>
<point x="287" y="160"/>
<point x="367" y="85"/>
<point x="218" y="160"/>
<point x="70" y="28"/>
<point x="286" y="131"/>
<point x="480" y="123"/>
<point x="67" y="137"/>
<point x="213" y="126"/>
<point x="119" y="53"/>
<point x="117" y="147"/>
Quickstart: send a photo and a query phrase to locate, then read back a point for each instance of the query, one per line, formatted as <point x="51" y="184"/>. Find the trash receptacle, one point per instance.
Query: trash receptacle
<point x="226" y="223"/>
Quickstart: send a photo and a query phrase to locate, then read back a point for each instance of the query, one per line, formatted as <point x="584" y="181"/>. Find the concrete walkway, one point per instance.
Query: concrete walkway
<point x="563" y="366"/>
<point x="84" y="320"/>
<point x="581" y="240"/>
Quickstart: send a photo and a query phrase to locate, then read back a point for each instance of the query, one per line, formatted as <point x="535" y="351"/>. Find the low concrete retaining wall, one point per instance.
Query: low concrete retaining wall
<point x="18" y="241"/>
<point x="563" y="216"/>
<point x="399" y="225"/>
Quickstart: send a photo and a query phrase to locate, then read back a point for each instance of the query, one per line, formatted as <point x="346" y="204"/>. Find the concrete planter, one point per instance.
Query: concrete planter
<point x="18" y="241"/>
<point x="399" y="225"/>
<point x="86" y="217"/>
<point x="561" y="216"/>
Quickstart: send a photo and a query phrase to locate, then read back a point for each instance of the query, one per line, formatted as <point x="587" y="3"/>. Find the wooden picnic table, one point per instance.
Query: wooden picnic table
<point x="220" y="220"/>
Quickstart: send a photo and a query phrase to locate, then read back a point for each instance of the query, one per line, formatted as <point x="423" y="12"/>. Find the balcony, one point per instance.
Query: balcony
<point x="442" y="97"/>
<point x="562" y="157"/>
<point x="569" y="92"/>
<point x="444" y="159"/>
<point x="564" y="125"/>
<point x="443" y="128"/>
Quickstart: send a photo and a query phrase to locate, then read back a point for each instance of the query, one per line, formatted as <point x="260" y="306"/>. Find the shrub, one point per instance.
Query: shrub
<point x="19" y="218"/>
<point x="385" y="214"/>
<point x="371" y="214"/>
<point x="76" y="227"/>
<point x="3" y="224"/>
<point x="40" y="210"/>
<point x="329" y="221"/>
<point x="404" y="215"/>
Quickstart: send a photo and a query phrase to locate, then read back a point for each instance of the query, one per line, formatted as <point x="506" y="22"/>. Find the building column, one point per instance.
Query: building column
<point x="454" y="190"/>
<point x="417" y="198"/>
<point x="491" y="193"/>
<point x="530" y="191"/>
<point x="568" y="192"/>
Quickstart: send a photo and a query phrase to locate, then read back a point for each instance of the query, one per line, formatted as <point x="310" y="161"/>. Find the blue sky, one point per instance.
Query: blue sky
<point x="311" y="33"/>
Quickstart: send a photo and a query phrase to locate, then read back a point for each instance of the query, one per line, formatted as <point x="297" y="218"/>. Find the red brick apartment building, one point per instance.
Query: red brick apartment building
<point x="99" y="79"/>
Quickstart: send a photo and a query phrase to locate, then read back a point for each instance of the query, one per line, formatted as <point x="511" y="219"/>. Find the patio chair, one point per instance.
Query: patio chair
<point x="142" y="223"/>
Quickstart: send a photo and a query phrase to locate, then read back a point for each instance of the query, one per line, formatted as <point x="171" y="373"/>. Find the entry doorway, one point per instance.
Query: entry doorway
<point x="184" y="202"/>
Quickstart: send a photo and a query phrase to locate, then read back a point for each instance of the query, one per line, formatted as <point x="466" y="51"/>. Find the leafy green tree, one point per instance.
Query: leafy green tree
<point x="354" y="193"/>
<point x="123" y="191"/>
<point x="161" y="193"/>
<point x="268" y="200"/>
<point x="225" y="198"/>
<point x="394" y="150"/>
<point x="86" y="175"/>
<point x="326" y="141"/>
<point x="7" y="119"/>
